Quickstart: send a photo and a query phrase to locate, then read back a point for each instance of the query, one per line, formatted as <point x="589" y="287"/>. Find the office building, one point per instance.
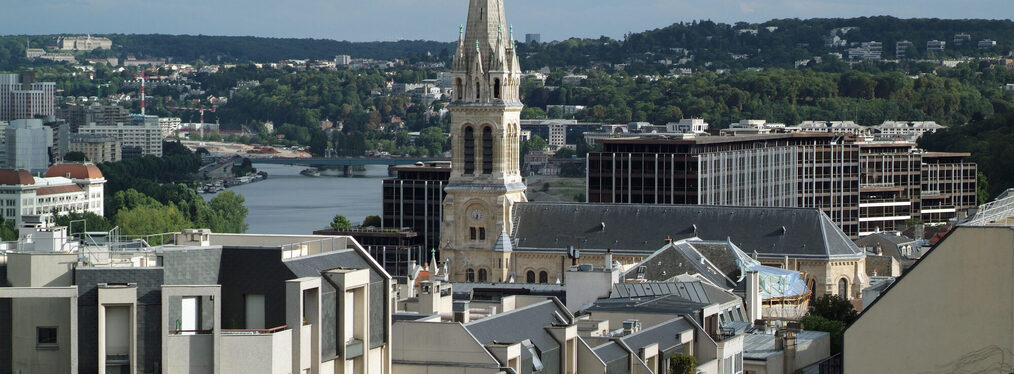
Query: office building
<point x="987" y="44"/>
<point x="27" y="144"/>
<point x="877" y="185"/>
<point x="414" y="199"/>
<point x="21" y="97"/>
<point x="792" y="170"/>
<point x="343" y="60"/>
<point x="962" y="39"/>
<point x="97" y="148"/>
<point x="66" y="188"/>
<point x="169" y="125"/>
<point x="142" y="136"/>
<point x="533" y="38"/>
<point x="949" y="186"/>
<point x="200" y="302"/>
<point x="867" y="51"/>
<point x="78" y="116"/>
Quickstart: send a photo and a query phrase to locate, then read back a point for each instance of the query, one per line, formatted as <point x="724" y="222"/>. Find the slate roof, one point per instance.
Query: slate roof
<point x="609" y="352"/>
<point x="666" y="334"/>
<point x="519" y="324"/>
<point x="667" y="304"/>
<point x="312" y="266"/>
<point x="643" y="228"/>
<point x="762" y="346"/>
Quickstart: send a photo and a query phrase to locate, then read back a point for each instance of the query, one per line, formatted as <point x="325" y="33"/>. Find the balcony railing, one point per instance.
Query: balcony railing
<point x="254" y="331"/>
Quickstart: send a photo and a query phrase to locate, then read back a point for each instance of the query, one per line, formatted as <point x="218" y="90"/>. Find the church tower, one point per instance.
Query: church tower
<point x="485" y="178"/>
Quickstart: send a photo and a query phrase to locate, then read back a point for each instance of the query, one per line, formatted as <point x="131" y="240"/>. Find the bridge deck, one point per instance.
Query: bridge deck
<point x="344" y="161"/>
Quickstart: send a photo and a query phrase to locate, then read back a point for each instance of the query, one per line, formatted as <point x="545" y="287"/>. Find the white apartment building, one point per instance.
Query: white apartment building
<point x="143" y="132"/>
<point x="27" y="144"/>
<point x="911" y="130"/>
<point x="557" y="135"/>
<point x="687" y="126"/>
<point x="66" y="188"/>
<point x="169" y="125"/>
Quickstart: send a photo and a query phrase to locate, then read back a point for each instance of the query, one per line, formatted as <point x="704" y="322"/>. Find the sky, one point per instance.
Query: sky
<point x="385" y="20"/>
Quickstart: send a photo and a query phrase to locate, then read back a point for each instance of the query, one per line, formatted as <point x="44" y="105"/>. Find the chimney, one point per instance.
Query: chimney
<point x="609" y="260"/>
<point x="753" y="297"/>
<point x="429" y="297"/>
<point x="461" y="311"/>
<point x="789" y="345"/>
<point x="631" y="326"/>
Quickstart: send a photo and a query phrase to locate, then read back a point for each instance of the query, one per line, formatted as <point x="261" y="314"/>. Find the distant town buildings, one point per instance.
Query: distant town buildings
<point x="141" y="136"/>
<point x="533" y="38"/>
<point x="867" y="51"/>
<point x="901" y="49"/>
<point x="343" y="60"/>
<point x="962" y="39"/>
<point x="935" y="46"/>
<point x="82" y="43"/>
<point x="78" y="116"/>
<point x="987" y="44"/>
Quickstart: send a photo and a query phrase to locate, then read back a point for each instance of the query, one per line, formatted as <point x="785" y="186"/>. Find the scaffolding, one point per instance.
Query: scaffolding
<point x="999" y="212"/>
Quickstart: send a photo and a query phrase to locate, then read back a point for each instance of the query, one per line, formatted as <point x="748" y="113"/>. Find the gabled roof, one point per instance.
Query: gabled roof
<point x="644" y="228"/>
<point x="666" y="334"/>
<point x="668" y="304"/>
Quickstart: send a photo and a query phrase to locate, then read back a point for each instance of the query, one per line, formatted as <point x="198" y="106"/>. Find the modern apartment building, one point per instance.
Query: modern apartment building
<point x="414" y="199"/>
<point x="142" y="133"/>
<point x="97" y="148"/>
<point x="27" y="144"/>
<point x="65" y="188"/>
<point x="862" y="186"/>
<point x="200" y="302"/>
<point x="78" y="116"/>
<point x="21" y="97"/>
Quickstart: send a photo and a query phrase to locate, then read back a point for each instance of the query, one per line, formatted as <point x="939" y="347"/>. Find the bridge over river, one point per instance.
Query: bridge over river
<point x="346" y="163"/>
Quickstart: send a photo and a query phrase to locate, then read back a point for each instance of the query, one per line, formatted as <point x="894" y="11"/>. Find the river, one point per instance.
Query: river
<point x="290" y="203"/>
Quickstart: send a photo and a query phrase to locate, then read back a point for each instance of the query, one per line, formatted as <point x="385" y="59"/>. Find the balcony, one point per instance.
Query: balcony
<point x="258" y="350"/>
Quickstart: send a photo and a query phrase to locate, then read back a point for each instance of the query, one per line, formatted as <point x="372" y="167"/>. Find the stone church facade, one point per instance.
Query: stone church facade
<point x="485" y="181"/>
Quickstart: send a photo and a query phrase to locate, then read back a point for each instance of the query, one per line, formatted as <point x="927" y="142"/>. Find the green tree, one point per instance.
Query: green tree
<point x="372" y="221"/>
<point x="8" y="232"/>
<point x="834" y="308"/>
<point x="536" y="143"/>
<point x="149" y="220"/>
<point x="92" y="222"/>
<point x="982" y="188"/>
<point x="682" y="364"/>
<point x="75" y="156"/>
<point x="339" y="222"/>
<point x="565" y="153"/>
<point x="531" y="112"/>
<point x="229" y="208"/>
<point x="834" y="328"/>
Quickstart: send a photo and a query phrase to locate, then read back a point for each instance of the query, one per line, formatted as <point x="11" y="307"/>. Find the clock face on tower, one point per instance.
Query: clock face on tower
<point x="476" y="214"/>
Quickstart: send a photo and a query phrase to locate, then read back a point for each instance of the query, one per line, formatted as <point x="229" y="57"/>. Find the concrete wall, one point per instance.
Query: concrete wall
<point x="950" y="313"/>
<point x="456" y="346"/>
<point x="26" y="316"/>
<point x="256" y="354"/>
<point x="587" y="361"/>
<point x="41" y="269"/>
<point x="190" y="354"/>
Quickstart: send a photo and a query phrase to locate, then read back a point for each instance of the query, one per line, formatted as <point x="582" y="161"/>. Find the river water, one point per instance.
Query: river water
<point x="290" y="203"/>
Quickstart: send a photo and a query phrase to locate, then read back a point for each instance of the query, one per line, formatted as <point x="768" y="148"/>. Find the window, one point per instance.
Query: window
<point x="496" y="88"/>
<point x="477" y="90"/>
<point x="471" y="233"/>
<point x="530" y="277"/>
<point x="459" y="88"/>
<point x="543" y="277"/>
<point x="487" y="150"/>
<point x="482" y="233"/>
<point x="45" y="337"/>
<point x="843" y="288"/>
<point x="482" y="275"/>
<point x="470" y="275"/>
<point x="469" y="147"/>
